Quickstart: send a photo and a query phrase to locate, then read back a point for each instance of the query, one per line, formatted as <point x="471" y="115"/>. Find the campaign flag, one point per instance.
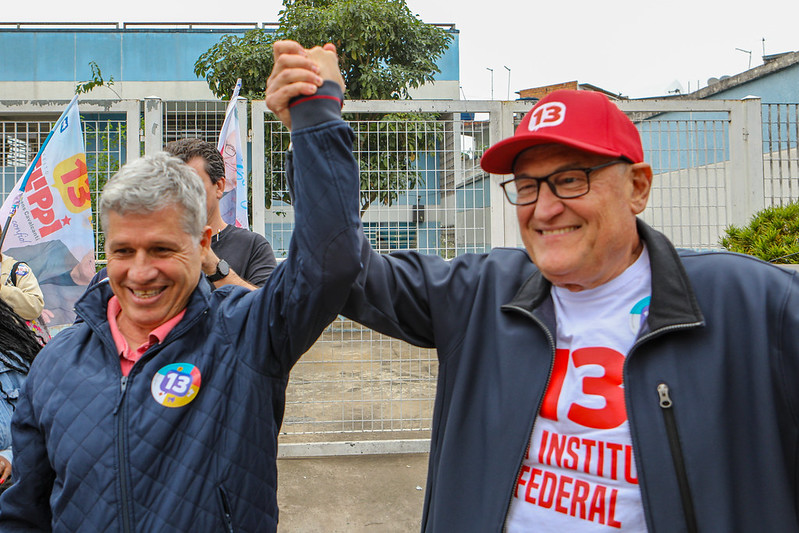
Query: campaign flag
<point x="233" y="204"/>
<point x="51" y="226"/>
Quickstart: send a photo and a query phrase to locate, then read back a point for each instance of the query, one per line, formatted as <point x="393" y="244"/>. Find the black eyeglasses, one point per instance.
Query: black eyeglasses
<point x="570" y="183"/>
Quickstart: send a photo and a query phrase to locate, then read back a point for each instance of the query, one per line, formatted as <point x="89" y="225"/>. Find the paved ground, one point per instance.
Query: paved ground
<point x="351" y="494"/>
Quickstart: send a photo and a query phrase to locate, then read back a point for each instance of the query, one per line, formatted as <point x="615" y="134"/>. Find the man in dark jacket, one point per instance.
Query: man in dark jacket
<point x="160" y="411"/>
<point x="598" y="380"/>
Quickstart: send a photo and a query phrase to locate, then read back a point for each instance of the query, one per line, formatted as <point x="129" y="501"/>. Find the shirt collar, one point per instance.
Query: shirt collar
<point x="157" y="335"/>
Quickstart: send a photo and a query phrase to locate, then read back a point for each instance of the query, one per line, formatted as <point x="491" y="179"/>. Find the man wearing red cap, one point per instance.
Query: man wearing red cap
<point x="599" y="379"/>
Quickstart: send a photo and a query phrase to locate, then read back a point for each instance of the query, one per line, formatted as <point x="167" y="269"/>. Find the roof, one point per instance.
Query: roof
<point x="773" y="63"/>
<point x="540" y="92"/>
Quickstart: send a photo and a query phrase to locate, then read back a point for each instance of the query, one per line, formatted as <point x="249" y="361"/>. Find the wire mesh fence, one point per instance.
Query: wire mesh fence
<point x="193" y="120"/>
<point x="357" y="381"/>
<point x="781" y="153"/>
<point x="689" y="158"/>
<point x="421" y="184"/>
<point x="21" y="139"/>
<point x="422" y="189"/>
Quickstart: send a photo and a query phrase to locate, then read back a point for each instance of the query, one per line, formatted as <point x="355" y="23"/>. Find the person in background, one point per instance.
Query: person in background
<point x="245" y="252"/>
<point x="18" y="348"/>
<point x="62" y="278"/>
<point x="249" y="254"/>
<point x="20" y="289"/>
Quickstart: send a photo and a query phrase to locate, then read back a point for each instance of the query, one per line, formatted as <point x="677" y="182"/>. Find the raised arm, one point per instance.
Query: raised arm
<point x="307" y="290"/>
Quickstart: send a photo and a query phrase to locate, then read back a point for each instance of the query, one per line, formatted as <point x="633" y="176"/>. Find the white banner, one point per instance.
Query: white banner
<point x="233" y="204"/>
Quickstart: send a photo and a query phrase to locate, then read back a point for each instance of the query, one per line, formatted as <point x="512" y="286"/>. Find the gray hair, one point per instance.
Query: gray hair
<point x="155" y="182"/>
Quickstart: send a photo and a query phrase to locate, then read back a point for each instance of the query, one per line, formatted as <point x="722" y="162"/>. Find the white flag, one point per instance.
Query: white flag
<point x="52" y="228"/>
<point x="233" y="204"/>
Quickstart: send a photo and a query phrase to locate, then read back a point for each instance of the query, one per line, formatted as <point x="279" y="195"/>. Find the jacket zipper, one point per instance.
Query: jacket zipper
<point x="226" y="509"/>
<point x="666" y="405"/>
<point x="643" y="338"/>
<point x="123" y="468"/>
<point x="537" y="409"/>
<point x="127" y="526"/>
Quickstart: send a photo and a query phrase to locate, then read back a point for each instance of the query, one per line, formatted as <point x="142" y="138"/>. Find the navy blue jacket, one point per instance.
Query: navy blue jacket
<point x="722" y="335"/>
<point x="97" y="452"/>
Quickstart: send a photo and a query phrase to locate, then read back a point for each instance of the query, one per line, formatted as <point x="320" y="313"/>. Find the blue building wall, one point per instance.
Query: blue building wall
<point x="126" y="54"/>
<point x="781" y="87"/>
<point x="675" y="141"/>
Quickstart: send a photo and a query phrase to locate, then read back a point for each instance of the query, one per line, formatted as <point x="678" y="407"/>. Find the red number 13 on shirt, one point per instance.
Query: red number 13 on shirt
<point x="608" y="386"/>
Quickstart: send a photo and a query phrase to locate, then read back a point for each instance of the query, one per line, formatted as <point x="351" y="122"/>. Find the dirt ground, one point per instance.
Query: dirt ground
<point x="355" y="381"/>
<point x="356" y="385"/>
<point x="354" y="494"/>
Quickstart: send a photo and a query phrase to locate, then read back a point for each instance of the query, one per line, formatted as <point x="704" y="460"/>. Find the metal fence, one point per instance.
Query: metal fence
<point x="715" y="162"/>
<point x="781" y="153"/>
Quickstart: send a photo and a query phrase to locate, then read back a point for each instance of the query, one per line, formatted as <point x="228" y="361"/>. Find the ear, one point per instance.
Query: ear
<point x="220" y="188"/>
<point x="205" y="240"/>
<point x="642" y="184"/>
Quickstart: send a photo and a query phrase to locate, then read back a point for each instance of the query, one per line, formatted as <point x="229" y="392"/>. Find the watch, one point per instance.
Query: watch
<point x="222" y="270"/>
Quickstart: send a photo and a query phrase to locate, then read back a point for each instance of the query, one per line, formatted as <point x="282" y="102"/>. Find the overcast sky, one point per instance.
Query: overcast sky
<point x="630" y="47"/>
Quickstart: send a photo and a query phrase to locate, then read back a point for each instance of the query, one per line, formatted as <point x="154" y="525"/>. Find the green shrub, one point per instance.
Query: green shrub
<point x="772" y="235"/>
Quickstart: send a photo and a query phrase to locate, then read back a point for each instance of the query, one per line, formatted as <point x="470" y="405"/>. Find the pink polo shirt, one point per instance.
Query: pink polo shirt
<point x="127" y="356"/>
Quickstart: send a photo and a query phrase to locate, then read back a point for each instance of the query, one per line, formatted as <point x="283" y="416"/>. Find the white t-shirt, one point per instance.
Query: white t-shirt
<point x="579" y="473"/>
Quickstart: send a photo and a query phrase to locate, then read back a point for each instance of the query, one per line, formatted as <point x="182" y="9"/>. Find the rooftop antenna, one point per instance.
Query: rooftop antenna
<point x="750" y="56"/>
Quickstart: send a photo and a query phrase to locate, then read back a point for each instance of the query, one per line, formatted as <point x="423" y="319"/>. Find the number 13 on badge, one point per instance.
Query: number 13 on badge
<point x="176" y="385"/>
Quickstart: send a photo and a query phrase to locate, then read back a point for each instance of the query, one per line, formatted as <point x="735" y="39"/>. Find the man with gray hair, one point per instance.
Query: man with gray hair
<point x="161" y="410"/>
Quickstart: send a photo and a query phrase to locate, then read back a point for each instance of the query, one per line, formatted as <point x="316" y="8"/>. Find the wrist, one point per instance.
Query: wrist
<point x="323" y="106"/>
<point x="220" y="271"/>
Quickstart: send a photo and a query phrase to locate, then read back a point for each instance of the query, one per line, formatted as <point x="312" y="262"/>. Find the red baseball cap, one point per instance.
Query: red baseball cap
<point x="585" y="120"/>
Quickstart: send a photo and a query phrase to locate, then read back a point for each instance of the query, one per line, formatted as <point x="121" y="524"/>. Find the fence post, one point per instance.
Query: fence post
<point x="133" y="130"/>
<point x="746" y="187"/>
<point x="258" y="168"/>
<point x="501" y="126"/>
<point x="153" y="125"/>
<point x="504" y="228"/>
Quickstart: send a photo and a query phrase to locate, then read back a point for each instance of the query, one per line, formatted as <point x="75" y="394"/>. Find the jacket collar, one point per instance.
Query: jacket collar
<point x="673" y="299"/>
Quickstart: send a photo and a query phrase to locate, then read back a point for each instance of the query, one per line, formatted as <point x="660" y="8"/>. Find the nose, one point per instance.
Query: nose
<point x="141" y="269"/>
<point x="548" y="205"/>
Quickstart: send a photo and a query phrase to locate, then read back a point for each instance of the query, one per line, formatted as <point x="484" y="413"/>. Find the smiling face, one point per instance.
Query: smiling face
<point x="581" y="243"/>
<point x="153" y="266"/>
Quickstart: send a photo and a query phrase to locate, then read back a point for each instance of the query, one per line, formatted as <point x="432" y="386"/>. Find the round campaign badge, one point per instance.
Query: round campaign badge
<point x="176" y="385"/>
